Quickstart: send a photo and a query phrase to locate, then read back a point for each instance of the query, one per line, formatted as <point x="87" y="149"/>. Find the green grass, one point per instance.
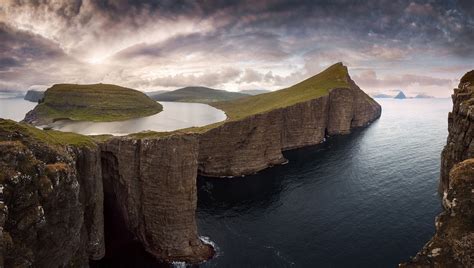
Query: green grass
<point x="335" y="76"/>
<point x="198" y="94"/>
<point x="97" y="102"/>
<point x="9" y="128"/>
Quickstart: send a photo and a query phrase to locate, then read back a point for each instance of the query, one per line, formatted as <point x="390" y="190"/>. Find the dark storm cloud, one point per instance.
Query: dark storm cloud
<point x="269" y="43"/>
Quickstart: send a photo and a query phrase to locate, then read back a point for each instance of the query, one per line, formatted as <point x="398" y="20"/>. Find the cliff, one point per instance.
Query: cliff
<point x="261" y="127"/>
<point x="51" y="198"/>
<point x="152" y="184"/>
<point x="453" y="242"/>
<point x="34" y="95"/>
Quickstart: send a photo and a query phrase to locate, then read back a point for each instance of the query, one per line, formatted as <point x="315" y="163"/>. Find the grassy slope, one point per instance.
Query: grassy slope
<point x="97" y="102"/>
<point x="335" y="76"/>
<point x="198" y="94"/>
<point x="311" y="88"/>
<point x="10" y="128"/>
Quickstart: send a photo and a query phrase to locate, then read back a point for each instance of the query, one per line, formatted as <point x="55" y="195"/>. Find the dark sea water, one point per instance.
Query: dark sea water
<point x="367" y="199"/>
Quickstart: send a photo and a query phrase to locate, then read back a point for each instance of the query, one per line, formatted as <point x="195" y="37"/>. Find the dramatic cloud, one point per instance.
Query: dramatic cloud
<point x="152" y="44"/>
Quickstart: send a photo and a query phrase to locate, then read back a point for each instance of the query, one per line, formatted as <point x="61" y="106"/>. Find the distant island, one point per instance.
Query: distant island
<point x="423" y="96"/>
<point x="382" y="96"/>
<point x="400" y="96"/>
<point x="198" y="94"/>
<point x="34" y="95"/>
<point x="254" y="91"/>
<point x="96" y="102"/>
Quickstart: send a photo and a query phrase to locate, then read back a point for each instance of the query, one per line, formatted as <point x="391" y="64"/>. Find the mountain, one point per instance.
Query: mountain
<point x="400" y="96"/>
<point x="198" y="94"/>
<point x="34" y="95"/>
<point x="254" y="91"/>
<point x="151" y="94"/>
<point x="96" y="102"/>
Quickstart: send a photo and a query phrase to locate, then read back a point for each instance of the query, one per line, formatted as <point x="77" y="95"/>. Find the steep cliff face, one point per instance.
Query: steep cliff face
<point x="152" y="182"/>
<point x="248" y="145"/>
<point x="453" y="242"/>
<point x="460" y="144"/>
<point x="51" y="210"/>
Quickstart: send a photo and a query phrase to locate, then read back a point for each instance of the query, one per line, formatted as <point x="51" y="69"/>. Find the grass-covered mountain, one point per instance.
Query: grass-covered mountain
<point x="198" y="94"/>
<point x="96" y="102"/>
<point x="335" y="76"/>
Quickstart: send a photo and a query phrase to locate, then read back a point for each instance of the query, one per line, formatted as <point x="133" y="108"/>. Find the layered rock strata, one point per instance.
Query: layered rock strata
<point x="153" y="184"/>
<point x="251" y="144"/>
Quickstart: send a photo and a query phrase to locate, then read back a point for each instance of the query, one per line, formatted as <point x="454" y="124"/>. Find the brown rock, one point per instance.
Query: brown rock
<point x="153" y="184"/>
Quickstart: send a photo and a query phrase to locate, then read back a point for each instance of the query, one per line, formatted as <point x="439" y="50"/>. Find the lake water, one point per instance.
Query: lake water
<point x="175" y="115"/>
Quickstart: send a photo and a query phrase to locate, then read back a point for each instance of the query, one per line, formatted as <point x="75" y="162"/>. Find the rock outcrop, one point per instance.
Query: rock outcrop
<point x="152" y="183"/>
<point x="51" y="202"/>
<point x="453" y="242"/>
<point x="256" y="142"/>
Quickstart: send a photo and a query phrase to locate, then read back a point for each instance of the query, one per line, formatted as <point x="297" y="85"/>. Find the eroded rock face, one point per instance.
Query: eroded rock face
<point x="460" y="143"/>
<point x="51" y="210"/>
<point x="256" y="142"/>
<point x="153" y="184"/>
<point x="453" y="242"/>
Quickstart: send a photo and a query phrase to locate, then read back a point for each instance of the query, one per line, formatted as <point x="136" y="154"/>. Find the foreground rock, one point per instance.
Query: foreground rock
<point x="453" y="242"/>
<point x="152" y="183"/>
<point x="51" y="199"/>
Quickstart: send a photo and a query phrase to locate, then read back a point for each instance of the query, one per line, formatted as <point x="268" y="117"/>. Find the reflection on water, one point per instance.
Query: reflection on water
<point x="175" y="115"/>
<point x="14" y="107"/>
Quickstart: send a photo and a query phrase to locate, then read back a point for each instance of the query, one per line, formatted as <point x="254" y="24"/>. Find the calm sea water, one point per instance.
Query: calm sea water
<point x="175" y="115"/>
<point x="14" y="107"/>
<point x="367" y="199"/>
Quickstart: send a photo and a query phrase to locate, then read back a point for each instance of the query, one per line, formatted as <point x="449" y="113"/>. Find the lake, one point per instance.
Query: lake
<point x="175" y="115"/>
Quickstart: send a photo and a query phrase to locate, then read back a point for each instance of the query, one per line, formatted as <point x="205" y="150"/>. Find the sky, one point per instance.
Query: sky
<point x="388" y="45"/>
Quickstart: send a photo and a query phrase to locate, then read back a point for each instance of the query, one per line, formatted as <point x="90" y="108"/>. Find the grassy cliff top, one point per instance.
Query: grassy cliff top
<point x="10" y="129"/>
<point x="198" y="94"/>
<point x="335" y="76"/>
<point x="96" y="102"/>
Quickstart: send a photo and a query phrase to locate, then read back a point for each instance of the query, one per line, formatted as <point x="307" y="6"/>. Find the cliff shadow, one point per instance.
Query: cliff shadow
<point x="231" y="196"/>
<point x="122" y="249"/>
